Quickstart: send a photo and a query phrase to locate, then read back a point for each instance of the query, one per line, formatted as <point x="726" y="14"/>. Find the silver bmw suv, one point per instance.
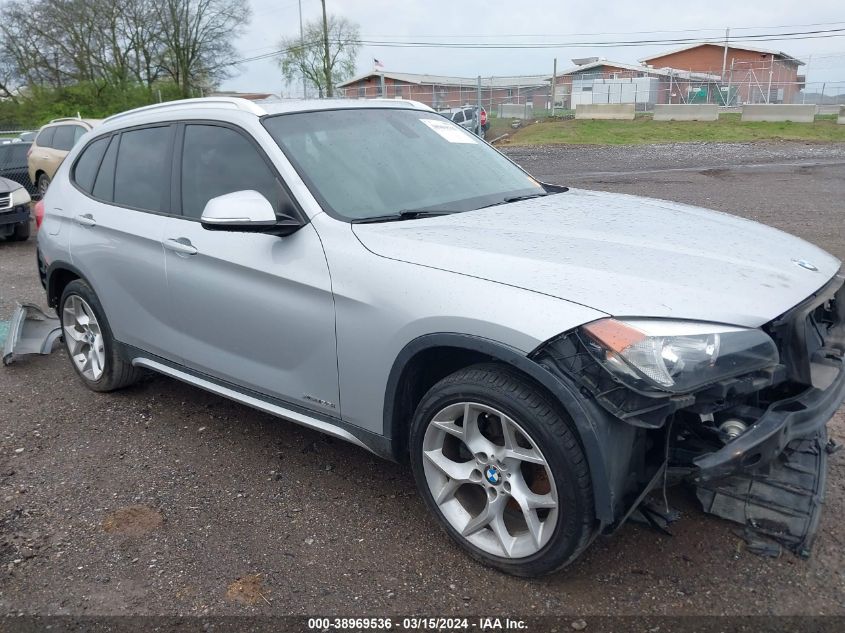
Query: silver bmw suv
<point x="543" y="358"/>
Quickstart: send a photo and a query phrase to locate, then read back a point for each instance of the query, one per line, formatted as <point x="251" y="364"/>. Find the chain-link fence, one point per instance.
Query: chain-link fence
<point x="536" y="97"/>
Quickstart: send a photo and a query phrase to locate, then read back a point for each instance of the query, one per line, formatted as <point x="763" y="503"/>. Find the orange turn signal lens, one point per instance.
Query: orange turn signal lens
<point x="614" y="335"/>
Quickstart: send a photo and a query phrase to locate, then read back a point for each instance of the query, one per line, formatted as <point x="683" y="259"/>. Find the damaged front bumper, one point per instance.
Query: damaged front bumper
<point x="802" y="416"/>
<point x="754" y="447"/>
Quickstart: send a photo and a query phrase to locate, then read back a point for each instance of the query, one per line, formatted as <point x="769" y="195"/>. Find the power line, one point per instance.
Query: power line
<point x="698" y="30"/>
<point x="762" y="37"/>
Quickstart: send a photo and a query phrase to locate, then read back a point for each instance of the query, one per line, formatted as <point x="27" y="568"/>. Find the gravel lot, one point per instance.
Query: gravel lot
<point x="164" y="499"/>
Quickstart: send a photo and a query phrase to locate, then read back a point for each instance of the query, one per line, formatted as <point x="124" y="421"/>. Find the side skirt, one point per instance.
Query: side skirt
<point x="330" y="426"/>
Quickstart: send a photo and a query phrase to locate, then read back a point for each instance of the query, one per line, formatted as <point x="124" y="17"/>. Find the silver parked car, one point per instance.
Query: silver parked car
<point x="542" y="358"/>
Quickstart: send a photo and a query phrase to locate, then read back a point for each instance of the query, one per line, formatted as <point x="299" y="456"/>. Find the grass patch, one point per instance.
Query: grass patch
<point x="643" y="130"/>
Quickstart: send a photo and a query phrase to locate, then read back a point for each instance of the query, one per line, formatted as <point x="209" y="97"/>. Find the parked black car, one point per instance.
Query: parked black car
<point x="14" y="211"/>
<point x="13" y="164"/>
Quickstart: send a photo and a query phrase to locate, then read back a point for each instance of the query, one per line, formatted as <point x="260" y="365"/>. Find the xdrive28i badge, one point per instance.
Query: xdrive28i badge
<point x="803" y="263"/>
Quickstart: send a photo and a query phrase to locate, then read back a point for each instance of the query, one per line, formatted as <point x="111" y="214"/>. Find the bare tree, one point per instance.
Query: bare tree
<point x="118" y="43"/>
<point x="197" y="37"/>
<point x="326" y="57"/>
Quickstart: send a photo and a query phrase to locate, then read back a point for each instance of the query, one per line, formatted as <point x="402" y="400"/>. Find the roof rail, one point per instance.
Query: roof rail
<point x="66" y="118"/>
<point x="211" y="102"/>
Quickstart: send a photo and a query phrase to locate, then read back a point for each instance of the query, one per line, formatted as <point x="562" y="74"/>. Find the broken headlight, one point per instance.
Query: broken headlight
<point x="676" y="356"/>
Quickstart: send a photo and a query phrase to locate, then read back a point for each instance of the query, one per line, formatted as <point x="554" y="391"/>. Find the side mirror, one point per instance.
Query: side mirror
<point x="248" y="212"/>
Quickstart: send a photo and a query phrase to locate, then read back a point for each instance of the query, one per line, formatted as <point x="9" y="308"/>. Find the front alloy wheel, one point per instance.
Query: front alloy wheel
<point x="498" y="463"/>
<point x="489" y="480"/>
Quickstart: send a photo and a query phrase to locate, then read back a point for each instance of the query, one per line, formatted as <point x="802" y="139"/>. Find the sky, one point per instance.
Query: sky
<point x="553" y="21"/>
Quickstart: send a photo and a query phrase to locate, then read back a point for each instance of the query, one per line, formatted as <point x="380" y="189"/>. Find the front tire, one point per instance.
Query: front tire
<point x="498" y="464"/>
<point x="21" y="232"/>
<point x="89" y="341"/>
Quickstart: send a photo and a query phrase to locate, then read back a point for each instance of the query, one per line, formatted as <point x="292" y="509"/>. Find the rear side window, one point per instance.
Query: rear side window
<point x="45" y="137"/>
<point x="63" y="138"/>
<point x="218" y="160"/>
<point x="88" y="163"/>
<point x="104" y="184"/>
<point x="142" y="171"/>
<point x="78" y="131"/>
<point x="18" y="153"/>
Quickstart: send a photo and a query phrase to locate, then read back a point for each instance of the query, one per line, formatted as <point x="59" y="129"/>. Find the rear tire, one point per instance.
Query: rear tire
<point x="89" y="342"/>
<point x="42" y="185"/>
<point x="533" y="500"/>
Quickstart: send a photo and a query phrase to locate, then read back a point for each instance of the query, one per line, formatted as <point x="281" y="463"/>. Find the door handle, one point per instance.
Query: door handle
<point x="181" y="245"/>
<point x="85" y="220"/>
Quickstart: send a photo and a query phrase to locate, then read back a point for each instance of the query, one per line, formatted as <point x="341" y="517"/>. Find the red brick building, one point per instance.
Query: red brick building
<point x="750" y="72"/>
<point x="440" y="91"/>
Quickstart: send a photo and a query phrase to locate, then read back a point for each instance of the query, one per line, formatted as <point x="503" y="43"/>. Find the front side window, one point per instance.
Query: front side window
<point x="218" y="160"/>
<point x="45" y="137"/>
<point x="85" y="170"/>
<point x="142" y="170"/>
<point x="63" y="138"/>
<point x="370" y="162"/>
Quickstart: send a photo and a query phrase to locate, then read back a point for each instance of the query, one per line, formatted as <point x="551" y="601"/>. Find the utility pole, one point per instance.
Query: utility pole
<point x="771" y="72"/>
<point x="725" y="54"/>
<point x="554" y="85"/>
<point x="326" y="70"/>
<point x="302" y="51"/>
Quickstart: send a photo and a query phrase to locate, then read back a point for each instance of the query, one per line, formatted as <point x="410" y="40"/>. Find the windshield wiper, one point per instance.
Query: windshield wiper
<point x="516" y="199"/>
<point x="407" y="214"/>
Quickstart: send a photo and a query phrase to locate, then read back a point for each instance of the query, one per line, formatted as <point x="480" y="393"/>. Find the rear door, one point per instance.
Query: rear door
<point x="253" y="309"/>
<point x="118" y="216"/>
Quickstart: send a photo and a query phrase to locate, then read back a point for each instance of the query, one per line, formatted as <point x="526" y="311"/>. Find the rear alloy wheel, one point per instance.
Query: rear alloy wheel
<point x="502" y="470"/>
<point x="89" y="342"/>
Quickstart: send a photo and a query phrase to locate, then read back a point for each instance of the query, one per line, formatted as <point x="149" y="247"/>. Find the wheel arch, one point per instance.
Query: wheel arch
<point x="409" y="379"/>
<point x="59" y="275"/>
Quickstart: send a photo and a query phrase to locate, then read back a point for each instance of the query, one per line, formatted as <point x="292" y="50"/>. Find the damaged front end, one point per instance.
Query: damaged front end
<point x="738" y="413"/>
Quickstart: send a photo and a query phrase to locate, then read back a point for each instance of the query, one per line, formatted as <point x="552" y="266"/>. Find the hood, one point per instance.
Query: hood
<point x="620" y="254"/>
<point x="7" y="185"/>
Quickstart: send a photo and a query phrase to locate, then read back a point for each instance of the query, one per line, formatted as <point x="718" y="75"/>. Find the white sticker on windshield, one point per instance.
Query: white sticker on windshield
<point x="450" y="131"/>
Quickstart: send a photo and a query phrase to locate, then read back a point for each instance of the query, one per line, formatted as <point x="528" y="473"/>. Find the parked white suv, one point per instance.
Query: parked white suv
<point x="543" y="358"/>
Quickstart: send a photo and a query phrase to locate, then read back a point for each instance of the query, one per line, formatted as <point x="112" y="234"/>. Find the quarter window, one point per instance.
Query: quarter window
<point x="141" y="174"/>
<point x="218" y="160"/>
<point x="104" y="184"/>
<point x="45" y="137"/>
<point x="63" y="139"/>
<point x="86" y="167"/>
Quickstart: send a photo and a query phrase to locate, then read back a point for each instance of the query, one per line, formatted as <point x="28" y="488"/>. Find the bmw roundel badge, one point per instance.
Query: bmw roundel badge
<point x="492" y="474"/>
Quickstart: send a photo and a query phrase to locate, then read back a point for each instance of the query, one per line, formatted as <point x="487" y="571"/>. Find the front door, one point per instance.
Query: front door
<point x="253" y="309"/>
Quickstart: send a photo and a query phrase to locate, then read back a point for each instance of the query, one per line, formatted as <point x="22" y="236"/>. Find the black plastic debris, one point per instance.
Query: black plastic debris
<point x="782" y="502"/>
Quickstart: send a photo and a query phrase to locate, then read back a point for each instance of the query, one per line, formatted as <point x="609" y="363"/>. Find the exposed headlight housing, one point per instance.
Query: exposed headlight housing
<point x="676" y="356"/>
<point x="20" y="196"/>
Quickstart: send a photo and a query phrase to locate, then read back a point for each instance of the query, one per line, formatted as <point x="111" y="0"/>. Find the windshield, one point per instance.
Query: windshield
<point x="368" y="163"/>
